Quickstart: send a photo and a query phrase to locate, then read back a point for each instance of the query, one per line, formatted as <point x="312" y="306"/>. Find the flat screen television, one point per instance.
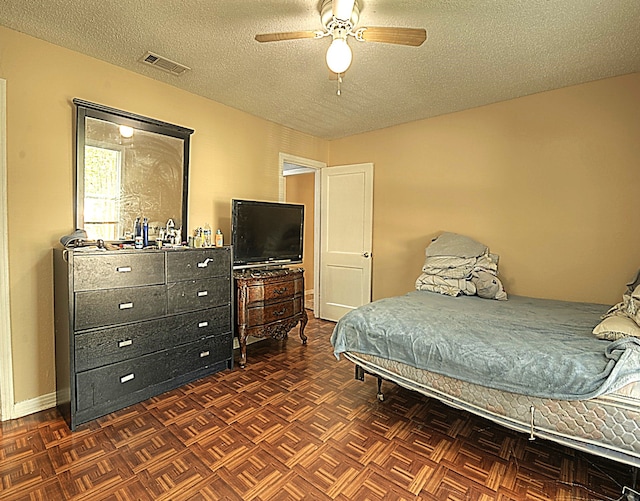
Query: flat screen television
<point x="266" y="234"/>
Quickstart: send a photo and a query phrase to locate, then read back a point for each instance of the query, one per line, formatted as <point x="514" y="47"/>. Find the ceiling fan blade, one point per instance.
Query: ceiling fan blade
<point x="401" y="36"/>
<point x="342" y="9"/>
<point x="288" y="35"/>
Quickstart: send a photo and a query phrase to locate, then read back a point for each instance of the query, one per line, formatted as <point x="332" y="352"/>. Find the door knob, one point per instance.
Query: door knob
<point x="366" y="254"/>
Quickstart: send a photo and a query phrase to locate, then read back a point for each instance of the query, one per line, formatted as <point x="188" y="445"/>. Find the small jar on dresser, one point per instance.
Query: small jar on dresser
<point x="132" y="324"/>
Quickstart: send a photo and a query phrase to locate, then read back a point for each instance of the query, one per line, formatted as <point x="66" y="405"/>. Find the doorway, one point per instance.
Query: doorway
<point x="300" y="183"/>
<point x="335" y="286"/>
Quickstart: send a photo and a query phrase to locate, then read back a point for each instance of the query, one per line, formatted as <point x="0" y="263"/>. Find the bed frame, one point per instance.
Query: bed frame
<point x="607" y="426"/>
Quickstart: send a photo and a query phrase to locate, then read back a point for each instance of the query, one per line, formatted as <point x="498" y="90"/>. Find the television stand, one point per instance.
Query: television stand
<point x="269" y="303"/>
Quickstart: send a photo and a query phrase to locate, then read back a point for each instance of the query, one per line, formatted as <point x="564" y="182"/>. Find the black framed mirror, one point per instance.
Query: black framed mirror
<point x="130" y="167"/>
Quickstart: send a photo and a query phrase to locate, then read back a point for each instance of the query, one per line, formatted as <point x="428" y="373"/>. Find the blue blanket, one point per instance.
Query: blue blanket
<point x="536" y="347"/>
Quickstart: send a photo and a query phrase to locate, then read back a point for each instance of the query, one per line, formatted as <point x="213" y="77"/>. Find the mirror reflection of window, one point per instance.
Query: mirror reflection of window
<point x="140" y="174"/>
<point x="102" y="174"/>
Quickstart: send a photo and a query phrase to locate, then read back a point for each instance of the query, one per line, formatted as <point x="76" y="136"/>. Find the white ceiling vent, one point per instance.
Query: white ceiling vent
<point x="164" y="64"/>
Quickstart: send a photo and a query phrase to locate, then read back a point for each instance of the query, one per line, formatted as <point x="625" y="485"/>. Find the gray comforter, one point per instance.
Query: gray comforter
<point x="536" y="347"/>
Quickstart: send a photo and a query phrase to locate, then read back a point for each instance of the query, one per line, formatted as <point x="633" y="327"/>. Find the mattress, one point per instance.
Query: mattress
<point x="607" y="425"/>
<point x="539" y="347"/>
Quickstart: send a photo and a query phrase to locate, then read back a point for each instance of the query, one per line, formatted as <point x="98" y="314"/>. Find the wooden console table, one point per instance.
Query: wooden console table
<point x="269" y="304"/>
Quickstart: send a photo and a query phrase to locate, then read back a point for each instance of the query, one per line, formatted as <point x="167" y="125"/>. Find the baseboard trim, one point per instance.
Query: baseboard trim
<point x="41" y="403"/>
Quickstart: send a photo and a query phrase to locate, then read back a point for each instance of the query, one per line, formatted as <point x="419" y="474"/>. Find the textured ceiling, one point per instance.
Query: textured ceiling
<point x="477" y="52"/>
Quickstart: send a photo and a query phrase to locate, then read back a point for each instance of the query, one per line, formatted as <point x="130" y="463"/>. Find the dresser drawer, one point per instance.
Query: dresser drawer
<point x="193" y="295"/>
<point x="273" y="312"/>
<point x="200" y="354"/>
<point x="204" y="323"/>
<point x="198" y="264"/>
<point x="117" y="306"/>
<point x="105" y="271"/>
<point x="104" y="384"/>
<point x="99" y="347"/>
<point x="274" y="291"/>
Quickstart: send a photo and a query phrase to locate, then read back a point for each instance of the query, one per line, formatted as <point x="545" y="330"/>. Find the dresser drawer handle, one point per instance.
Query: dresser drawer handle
<point x="126" y="378"/>
<point x="280" y="313"/>
<point x="281" y="291"/>
<point x="205" y="263"/>
<point x="126" y="342"/>
<point x="203" y="324"/>
<point x="125" y="306"/>
<point x="123" y="269"/>
<point x="204" y="354"/>
<point x="203" y="293"/>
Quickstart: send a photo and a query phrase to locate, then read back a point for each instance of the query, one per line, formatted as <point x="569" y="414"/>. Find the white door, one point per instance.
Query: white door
<point x="345" y="239"/>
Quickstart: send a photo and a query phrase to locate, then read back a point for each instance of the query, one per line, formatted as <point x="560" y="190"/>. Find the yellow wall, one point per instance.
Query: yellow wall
<point x="300" y="189"/>
<point x="233" y="154"/>
<point x="549" y="181"/>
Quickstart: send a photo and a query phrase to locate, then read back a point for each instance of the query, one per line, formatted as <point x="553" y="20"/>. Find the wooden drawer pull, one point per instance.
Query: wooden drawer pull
<point x="126" y="306"/>
<point x="126" y="342"/>
<point x="203" y="324"/>
<point x="204" y="354"/>
<point x="203" y="293"/>
<point x="123" y="269"/>
<point x="281" y="291"/>
<point x="126" y="378"/>
<point x="280" y="313"/>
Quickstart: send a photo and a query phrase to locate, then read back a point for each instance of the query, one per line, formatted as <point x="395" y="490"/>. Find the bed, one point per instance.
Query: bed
<point x="533" y="365"/>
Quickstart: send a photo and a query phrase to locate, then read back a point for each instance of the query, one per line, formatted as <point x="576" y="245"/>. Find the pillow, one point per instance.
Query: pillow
<point x="452" y="244"/>
<point x="628" y="307"/>
<point x="488" y="286"/>
<point x="449" y="266"/>
<point x="488" y="262"/>
<point x="442" y="285"/>
<point x="616" y="327"/>
<point x="631" y="304"/>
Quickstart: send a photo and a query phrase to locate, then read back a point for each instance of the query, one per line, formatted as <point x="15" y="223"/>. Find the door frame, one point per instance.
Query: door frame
<point x="317" y="166"/>
<point x="7" y="409"/>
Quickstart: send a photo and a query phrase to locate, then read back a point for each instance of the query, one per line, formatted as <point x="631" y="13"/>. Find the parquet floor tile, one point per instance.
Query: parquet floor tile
<point x="293" y="425"/>
<point x="291" y="445"/>
<point x="197" y="428"/>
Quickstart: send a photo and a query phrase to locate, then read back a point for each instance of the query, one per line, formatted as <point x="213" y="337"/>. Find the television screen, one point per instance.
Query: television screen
<point x="266" y="233"/>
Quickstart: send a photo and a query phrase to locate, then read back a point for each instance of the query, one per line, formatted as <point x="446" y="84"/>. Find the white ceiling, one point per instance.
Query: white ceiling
<point x="477" y="52"/>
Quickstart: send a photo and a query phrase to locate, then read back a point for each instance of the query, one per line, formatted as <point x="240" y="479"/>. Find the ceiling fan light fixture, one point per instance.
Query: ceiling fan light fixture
<point x="339" y="55"/>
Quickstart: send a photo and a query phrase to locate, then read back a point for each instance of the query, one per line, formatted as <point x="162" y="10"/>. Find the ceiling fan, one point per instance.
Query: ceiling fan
<point x="339" y="18"/>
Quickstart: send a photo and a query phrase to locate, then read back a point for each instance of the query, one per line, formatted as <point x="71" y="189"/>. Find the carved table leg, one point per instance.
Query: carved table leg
<point x="242" y="340"/>
<point x="303" y="324"/>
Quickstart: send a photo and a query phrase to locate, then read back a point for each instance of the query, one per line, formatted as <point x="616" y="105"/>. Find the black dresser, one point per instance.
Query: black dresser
<point x="131" y="324"/>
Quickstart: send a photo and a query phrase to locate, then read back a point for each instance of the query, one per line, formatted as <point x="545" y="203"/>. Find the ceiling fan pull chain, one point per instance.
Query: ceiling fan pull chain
<point x="339" y="91"/>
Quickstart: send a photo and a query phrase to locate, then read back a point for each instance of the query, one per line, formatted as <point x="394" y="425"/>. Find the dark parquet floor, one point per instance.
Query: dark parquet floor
<point x="294" y="424"/>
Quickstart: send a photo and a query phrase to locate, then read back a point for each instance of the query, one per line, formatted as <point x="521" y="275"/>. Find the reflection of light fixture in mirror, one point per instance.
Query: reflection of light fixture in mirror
<point x="126" y="131"/>
<point x="339" y="53"/>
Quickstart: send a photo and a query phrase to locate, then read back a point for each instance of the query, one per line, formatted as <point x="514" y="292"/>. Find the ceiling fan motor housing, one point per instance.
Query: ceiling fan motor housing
<point x="326" y="13"/>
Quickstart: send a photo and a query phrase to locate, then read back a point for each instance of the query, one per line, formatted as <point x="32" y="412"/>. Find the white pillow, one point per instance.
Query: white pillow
<point x="616" y="327"/>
